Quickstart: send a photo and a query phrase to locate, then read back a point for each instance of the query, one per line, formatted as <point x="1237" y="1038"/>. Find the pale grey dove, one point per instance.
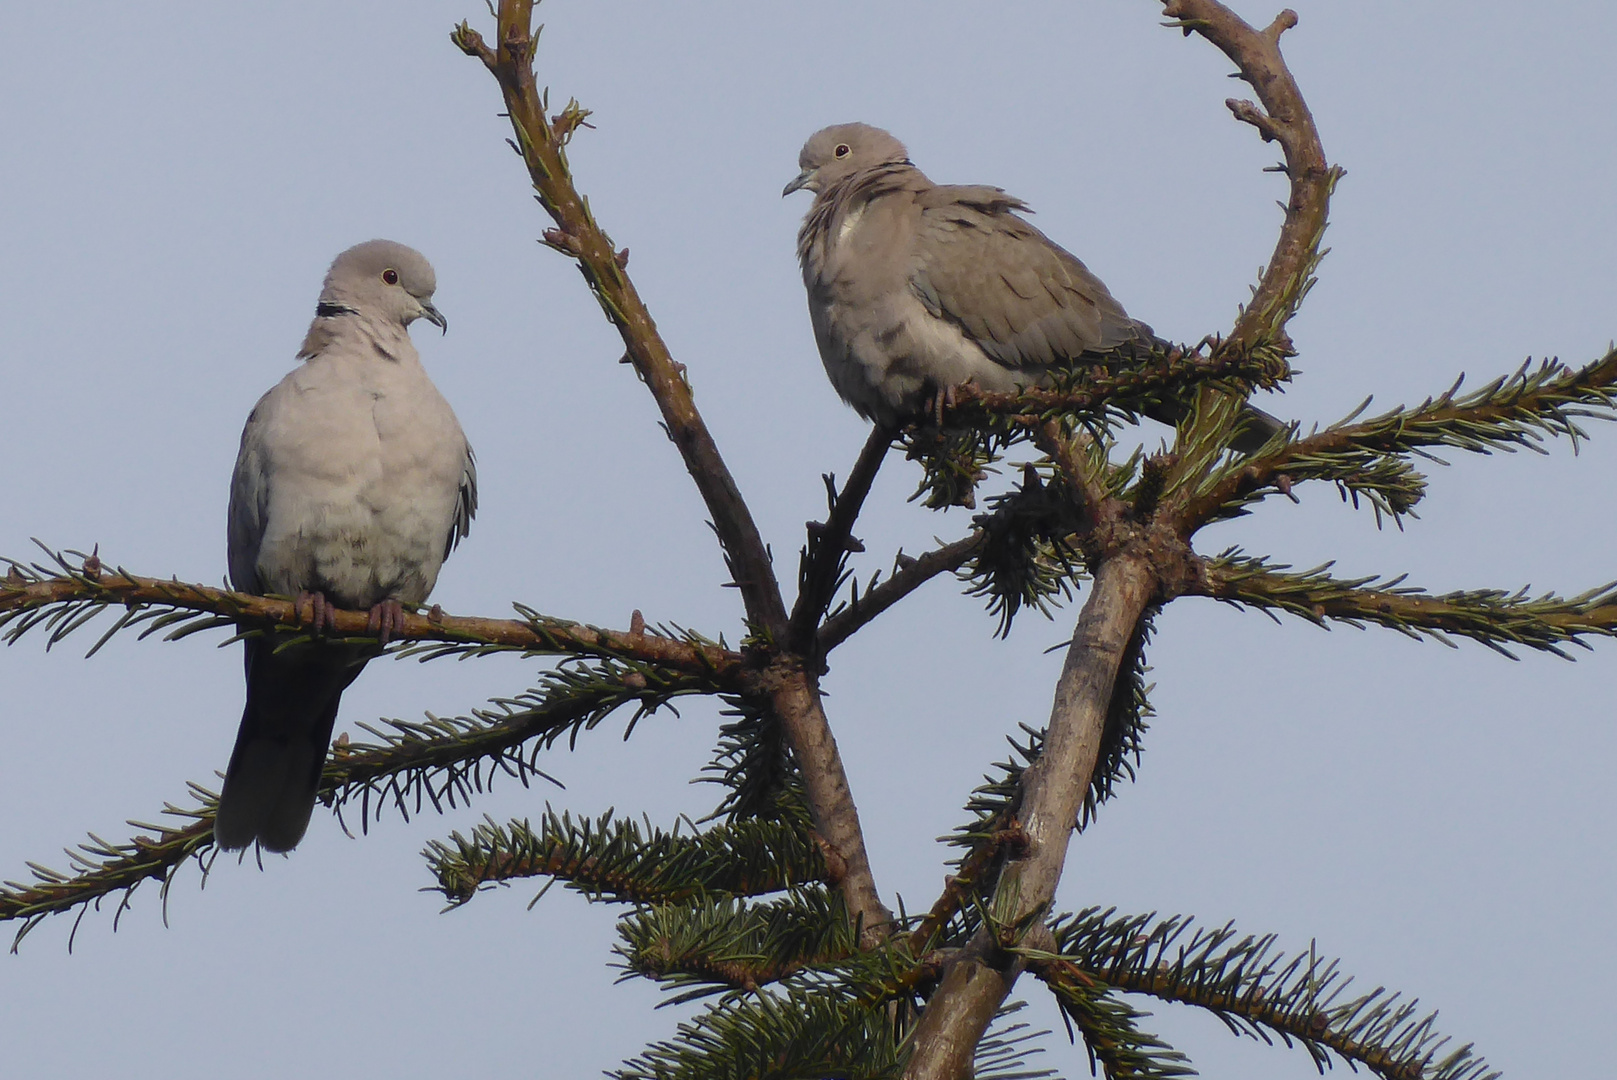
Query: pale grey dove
<point x="353" y="483"/>
<point x="916" y="287"/>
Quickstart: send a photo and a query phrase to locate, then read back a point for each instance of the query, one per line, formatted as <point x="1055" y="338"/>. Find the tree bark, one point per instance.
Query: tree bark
<point x="1053" y="789"/>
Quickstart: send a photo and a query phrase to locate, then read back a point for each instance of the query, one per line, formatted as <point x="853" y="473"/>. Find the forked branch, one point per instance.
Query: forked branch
<point x="1142" y="564"/>
<point x="787" y="684"/>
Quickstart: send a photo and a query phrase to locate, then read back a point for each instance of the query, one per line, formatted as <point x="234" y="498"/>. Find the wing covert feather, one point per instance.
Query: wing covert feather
<point x="1026" y="301"/>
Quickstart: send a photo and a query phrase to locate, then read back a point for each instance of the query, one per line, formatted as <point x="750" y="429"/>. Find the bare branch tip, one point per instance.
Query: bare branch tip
<point x="471" y="43"/>
<point x="1248" y="113"/>
<point x="1283" y="22"/>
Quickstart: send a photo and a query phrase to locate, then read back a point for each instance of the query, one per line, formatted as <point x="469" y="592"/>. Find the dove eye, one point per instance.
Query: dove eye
<point x="391" y="276"/>
<point x="843" y="150"/>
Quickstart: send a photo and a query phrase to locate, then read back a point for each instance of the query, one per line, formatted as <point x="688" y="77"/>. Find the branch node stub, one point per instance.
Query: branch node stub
<point x="1248" y="113"/>
<point x="562" y="241"/>
<point x="1283" y="22"/>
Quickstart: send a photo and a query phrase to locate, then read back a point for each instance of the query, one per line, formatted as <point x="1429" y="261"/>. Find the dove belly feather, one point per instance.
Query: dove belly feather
<point x="335" y="521"/>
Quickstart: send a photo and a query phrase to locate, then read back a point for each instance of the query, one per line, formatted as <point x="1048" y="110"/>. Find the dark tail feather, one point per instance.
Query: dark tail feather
<point x="274" y="771"/>
<point x="1256" y="427"/>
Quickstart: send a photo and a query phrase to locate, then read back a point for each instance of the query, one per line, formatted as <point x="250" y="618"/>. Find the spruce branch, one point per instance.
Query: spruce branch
<point x="1125" y="384"/>
<point x="1493" y="617"/>
<point x="440" y="762"/>
<point x="99" y="870"/>
<point x="1107" y="1025"/>
<point x="955" y="459"/>
<point x="816" y="1029"/>
<point x="754" y="763"/>
<point x="1254" y="988"/>
<point x="614" y="859"/>
<point x="443" y="761"/>
<point x="1520" y="410"/>
<point x="710" y="946"/>
<point x="62" y="598"/>
<point x="1127" y="719"/>
<point x="777" y="1035"/>
<point x="1025" y="559"/>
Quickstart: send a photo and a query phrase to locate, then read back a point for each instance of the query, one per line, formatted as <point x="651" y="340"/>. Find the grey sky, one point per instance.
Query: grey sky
<point x="175" y="184"/>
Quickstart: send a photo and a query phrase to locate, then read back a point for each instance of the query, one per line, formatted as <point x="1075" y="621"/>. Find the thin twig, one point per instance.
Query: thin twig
<point x="828" y="543"/>
<point x="851" y="619"/>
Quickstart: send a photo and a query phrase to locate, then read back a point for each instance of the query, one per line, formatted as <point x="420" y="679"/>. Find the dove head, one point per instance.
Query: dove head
<point x="382" y="280"/>
<point x="835" y="153"/>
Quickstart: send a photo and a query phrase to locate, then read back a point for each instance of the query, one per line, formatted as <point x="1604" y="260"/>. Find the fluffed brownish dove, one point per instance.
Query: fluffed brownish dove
<point x="916" y="287"/>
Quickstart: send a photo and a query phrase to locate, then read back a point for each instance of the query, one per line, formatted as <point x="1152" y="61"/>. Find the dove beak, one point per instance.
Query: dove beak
<point x="434" y="316"/>
<point x="804" y="179"/>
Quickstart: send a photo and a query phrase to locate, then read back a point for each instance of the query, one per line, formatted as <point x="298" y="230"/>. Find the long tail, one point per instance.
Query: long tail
<point x="274" y="772"/>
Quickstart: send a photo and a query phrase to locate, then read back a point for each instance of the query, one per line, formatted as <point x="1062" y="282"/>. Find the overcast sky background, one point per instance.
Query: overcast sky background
<point x="176" y="181"/>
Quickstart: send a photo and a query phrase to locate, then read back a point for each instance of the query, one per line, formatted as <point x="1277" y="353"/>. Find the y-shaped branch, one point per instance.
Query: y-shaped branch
<point x="786" y="684"/>
<point x="1139" y="564"/>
